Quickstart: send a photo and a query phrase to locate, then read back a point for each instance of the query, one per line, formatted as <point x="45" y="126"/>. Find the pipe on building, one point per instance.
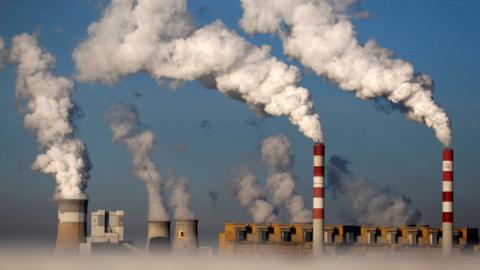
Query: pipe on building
<point x="447" y="202"/>
<point x="158" y="236"/>
<point x="318" y="197"/>
<point x="72" y="225"/>
<point x="186" y="236"/>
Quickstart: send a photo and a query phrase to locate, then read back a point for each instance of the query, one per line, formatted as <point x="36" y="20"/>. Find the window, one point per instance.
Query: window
<point x="263" y="235"/>
<point x="307" y="236"/>
<point x="372" y="238"/>
<point x="433" y="237"/>
<point x="241" y="235"/>
<point x="181" y="234"/>
<point x="286" y="236"/>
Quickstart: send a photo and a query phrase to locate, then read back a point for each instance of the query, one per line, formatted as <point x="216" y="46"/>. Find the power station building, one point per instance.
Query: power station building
<point x="296" y="239"/>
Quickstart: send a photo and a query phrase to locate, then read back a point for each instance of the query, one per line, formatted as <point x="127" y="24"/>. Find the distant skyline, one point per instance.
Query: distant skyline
<point x="201" y="134"/>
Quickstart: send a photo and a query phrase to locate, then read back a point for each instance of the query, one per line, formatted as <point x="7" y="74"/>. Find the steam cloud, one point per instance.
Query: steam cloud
<point x="160" y="38"/>
<point x="124" y="123"/>
<point x="367" y="203"/>
<point x="49" y="115"/>
<point x="277" y="154"/>
<point x="318" y="33"/>
<point x="250" y="195"/>
<point x="180" y="198"/>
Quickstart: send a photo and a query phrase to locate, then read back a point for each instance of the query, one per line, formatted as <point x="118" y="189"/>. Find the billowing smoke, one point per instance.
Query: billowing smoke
<point x="277" y="154"/>
<point x="319" y="34"/>
<point x="250" y="195"/>
<point x="367" y="203"/>
<point x="125" y="126"/>
<point x="49" y="114"/>
<point x="160" y="38"/>
<point x="180" y="198"/>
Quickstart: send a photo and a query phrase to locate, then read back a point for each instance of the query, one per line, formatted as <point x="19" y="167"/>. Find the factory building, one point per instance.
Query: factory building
<point x="107" y="226"/>
<point x="296" y="239"/>
<point x="107" y="234"/>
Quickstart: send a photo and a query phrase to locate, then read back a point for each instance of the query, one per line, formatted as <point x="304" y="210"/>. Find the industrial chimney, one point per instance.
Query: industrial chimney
<point x="447" y="202"/>
<point x="186" y="236"/>
<point x="318" y="196"/>
<point x="158" y="237"/>
<point x="72" y="225"/>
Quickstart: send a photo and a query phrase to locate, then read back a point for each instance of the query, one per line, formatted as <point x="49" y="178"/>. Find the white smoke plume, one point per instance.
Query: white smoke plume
<point x="319" y="34"/>
<point x="180" y="198"/>
<point x="367" y="203"/>
<point x="160" y="38"/>
<point x="125" y="126"/>
<point x="250" y="195"/>
<point x="49" y="114"/>
<point x="277" y="153"/>
<point x="3" y="52"/>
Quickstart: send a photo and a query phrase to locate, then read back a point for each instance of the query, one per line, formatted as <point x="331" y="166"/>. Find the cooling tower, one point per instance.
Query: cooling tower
<point x="318" y="197"/>
<point x="186" y="236"/>
<point x="72" y="225"/>
<point x="158" y="236"/>
<point x="447" y="202"/>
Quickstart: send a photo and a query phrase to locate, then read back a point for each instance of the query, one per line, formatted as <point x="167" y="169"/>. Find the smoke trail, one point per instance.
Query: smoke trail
<point x="318" y="33"/>
<point x="277" y="154"/>
<point x="180" y="198"/>
<point x="369" y="204"/>
<point x="49" y="115"/>
<point x="250" y="195"/>
<point x="124" y="123"/>
<point x="160" y="38"/>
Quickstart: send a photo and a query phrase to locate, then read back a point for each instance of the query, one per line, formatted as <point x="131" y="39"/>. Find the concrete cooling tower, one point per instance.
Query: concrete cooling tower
<point x="186" y="236"/>
<point x="72" y="225"/>
<point x="158" y="236"/>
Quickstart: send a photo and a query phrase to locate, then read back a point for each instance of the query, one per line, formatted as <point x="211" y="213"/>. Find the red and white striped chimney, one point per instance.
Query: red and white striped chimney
<point x="318" y="196"/>
<point x="447" y="202"/>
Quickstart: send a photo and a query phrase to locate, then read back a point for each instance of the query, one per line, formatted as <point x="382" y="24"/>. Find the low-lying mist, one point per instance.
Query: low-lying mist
<point x="18" y="258"/>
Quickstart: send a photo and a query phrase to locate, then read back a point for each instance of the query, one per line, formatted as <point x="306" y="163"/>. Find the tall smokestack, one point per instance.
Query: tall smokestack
<point x="158" y="236"/>
<point x="72" y="225"/>
<point x="447" y="202"/>
<point x="318" y="195"/>
<point x="186" y="236"/>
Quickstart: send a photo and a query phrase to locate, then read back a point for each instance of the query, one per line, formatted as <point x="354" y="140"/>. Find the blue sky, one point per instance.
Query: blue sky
<point x="439" y="37"/>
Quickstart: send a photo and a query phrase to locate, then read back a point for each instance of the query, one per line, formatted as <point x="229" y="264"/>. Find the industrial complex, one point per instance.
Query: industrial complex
<point x="107" y="230"/>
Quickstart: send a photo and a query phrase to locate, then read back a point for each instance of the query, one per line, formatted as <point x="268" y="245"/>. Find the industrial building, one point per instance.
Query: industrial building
<point x="296" y="239"/>
<point x="106" y="234"/>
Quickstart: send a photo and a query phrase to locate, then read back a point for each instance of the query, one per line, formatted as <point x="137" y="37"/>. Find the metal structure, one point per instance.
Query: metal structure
<point x="318" y="197"/>
<point x="158" y="236"/>
<point x="72" y="225"/>
<point x="186" y="236"/>
<point x="447" y="202"/>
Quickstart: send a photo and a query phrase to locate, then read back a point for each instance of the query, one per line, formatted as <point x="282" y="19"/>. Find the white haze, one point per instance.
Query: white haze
<point x="124" y="123"/>
<point x="277" y="153"/>
<point x="158" y="36"/>
<point x="48" y="115"/>
<point x="366" y="203"/>
<point x="250" y="195"/>
<point x="319" y="34"/>
<point x="19" y="259"/>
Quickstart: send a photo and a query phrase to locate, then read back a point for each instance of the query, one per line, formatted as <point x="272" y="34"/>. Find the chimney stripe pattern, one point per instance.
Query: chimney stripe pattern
<point x="318" y="197"/>
<point x="447" y="202"/>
